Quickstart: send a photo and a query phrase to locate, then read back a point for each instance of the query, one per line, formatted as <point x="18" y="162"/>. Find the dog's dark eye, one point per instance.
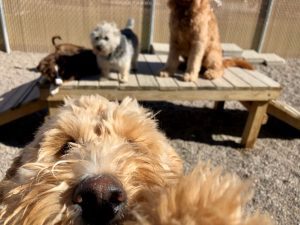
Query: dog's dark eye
<point x="106" y="38"/>
<point x="96" y="38"/>
<point x="66" y="147"/>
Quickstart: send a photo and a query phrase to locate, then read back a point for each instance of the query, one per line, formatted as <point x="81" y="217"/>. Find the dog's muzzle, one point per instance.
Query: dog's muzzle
<point x="102" y="199"/>
<point x="99" y="48"/>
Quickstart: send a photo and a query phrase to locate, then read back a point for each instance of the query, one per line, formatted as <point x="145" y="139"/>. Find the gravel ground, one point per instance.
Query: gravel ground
<point x="199" y="133"/>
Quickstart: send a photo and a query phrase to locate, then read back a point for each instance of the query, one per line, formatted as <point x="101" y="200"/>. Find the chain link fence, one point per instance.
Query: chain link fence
<point x="32" y="23"/>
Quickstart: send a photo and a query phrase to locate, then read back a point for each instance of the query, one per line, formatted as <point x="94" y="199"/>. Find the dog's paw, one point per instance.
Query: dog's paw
<point x="58" y="81"/>
<point x="188" y="77"/>
<point x="164" y="73"/>
<point x="212" y="74"/>
<point x="53" y="89"/>
<point x="123" y="80"/>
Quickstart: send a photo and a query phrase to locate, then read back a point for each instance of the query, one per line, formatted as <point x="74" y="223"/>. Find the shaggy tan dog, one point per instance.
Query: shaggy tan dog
<point x="88" y="165"/>
<point x="206" y="196"/>
<point x="194" y="35"/>
<point x="102" y="163"/>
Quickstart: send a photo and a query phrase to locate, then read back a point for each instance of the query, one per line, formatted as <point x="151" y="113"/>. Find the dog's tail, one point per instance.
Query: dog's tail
<point x="130" y="23"/>
<point x="54" y="38"/>
<point x="237" y="62"/>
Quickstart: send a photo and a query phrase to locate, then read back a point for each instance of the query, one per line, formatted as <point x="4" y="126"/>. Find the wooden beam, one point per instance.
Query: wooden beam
<point x="285" y="113"/>
<point x="255" y="118"/>
<point x="21" y="111"/>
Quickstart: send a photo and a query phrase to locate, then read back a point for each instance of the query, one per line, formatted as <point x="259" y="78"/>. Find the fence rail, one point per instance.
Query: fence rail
<point x="30" y="24"/>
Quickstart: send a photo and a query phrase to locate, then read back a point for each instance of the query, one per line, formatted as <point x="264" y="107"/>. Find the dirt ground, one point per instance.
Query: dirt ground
<point x="199" y="133"/>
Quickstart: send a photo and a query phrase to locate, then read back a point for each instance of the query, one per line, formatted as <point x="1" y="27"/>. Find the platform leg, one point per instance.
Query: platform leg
<point x="257" y="112"/>
<point x="53" y="107"/>
<point x="219" y="105"/>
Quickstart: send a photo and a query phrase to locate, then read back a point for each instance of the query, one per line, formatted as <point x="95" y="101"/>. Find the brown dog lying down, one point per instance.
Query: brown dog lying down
<point x="68" y="62"/>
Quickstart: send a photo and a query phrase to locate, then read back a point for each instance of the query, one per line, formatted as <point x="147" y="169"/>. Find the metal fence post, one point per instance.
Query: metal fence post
<point x="4" y="29"/>
<point x="266" y="25"/>
<point x="151" y="28"/>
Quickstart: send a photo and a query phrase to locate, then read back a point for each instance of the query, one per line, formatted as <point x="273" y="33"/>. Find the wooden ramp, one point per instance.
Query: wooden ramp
<point x="21" y="101"/>
<point x="233" y="50"/>
<point x="285" y="113"/>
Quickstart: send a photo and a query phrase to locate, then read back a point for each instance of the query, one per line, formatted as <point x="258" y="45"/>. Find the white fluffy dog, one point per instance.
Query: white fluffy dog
<point x="115" y="49"/>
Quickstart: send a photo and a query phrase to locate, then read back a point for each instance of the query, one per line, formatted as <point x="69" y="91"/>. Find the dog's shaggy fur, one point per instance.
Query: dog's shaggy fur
<point x="68" y="62"/>
<point x="205" y="196"/>
<point x="90" y="141"/>
<point x="100" y="162"/>
<point x="115" y="49"/>
<point x="194" y="35"/>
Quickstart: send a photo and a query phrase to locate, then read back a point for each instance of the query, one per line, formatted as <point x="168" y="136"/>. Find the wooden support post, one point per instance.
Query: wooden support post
<point x="53" y="107"/>
<point x="247" y="105"/>
<point x="255" y="119"/>
<point x="219" y="105"/>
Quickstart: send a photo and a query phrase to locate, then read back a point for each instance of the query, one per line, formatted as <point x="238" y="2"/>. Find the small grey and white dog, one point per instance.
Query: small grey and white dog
<point x="115" y="49"/>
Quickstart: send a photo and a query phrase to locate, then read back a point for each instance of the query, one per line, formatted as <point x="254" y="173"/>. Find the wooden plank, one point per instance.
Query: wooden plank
<point x="272" y="59"/>
<point x="178" y="77"/>
<point x="70" y="84"/>
<point x="111" y="83"/>
<point x="263" y="78"/>
<point x="248" y="78"/>
<point x="285" y="113"/>
<point x="231" y="49"/>
<point x="169" y="95"/>
<point x="163" y="58"/>
<point x="144" y="75"/>
<point x="131" y="84"/>
<point x="165" y="83"/>
<point x="235" y="80"/>
<point x="160" y="48"/>
<point x="154" y="63"/>
<point x="16" y="96"/>
<point x="221" y="83"/>
<point x="142" y="66"/>
<point x="23" y="110"/>
<point x="252" y="56"/>
<point x="205" y="84"/>
<point x="147" y="81"/>
<point x="89" y="82"/>
<point x="34" y="95"/>
<point x="254" y="121"/>
<point x="185" y="85"/>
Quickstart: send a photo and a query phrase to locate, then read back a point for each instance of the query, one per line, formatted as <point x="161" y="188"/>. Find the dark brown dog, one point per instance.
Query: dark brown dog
<point x="68" y="62"/>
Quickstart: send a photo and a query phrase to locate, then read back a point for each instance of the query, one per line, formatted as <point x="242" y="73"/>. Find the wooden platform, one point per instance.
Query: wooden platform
<point x="21" y="101"/>
<point x="233" y="50"/>
<point x="236" y="84"/>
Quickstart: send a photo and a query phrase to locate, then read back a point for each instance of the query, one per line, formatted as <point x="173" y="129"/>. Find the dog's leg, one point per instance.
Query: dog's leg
<point x="214" y="64"/>
<point x="172" y="62"/>
<point x="194" y="61"/>
<point x="124" y="72"/>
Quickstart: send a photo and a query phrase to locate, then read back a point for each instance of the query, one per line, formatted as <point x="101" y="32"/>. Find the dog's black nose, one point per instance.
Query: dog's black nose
<point x="101" y="198"/>
<point x="99" y="48"/>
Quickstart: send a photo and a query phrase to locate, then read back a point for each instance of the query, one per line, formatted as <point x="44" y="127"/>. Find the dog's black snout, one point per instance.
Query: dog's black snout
<point x="101" y="198"/>
<point x="99" y="47"/>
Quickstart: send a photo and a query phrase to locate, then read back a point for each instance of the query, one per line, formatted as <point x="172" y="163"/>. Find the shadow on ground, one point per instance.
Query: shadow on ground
<point x="187" y="123"/>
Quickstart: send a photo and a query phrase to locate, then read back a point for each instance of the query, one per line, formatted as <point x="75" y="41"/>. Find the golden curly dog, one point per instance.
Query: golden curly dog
<point x="194" y="35"/>
<point x="205" y="196"/>
<point x="88" y="165"/>
<point x="105" y="163"/>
